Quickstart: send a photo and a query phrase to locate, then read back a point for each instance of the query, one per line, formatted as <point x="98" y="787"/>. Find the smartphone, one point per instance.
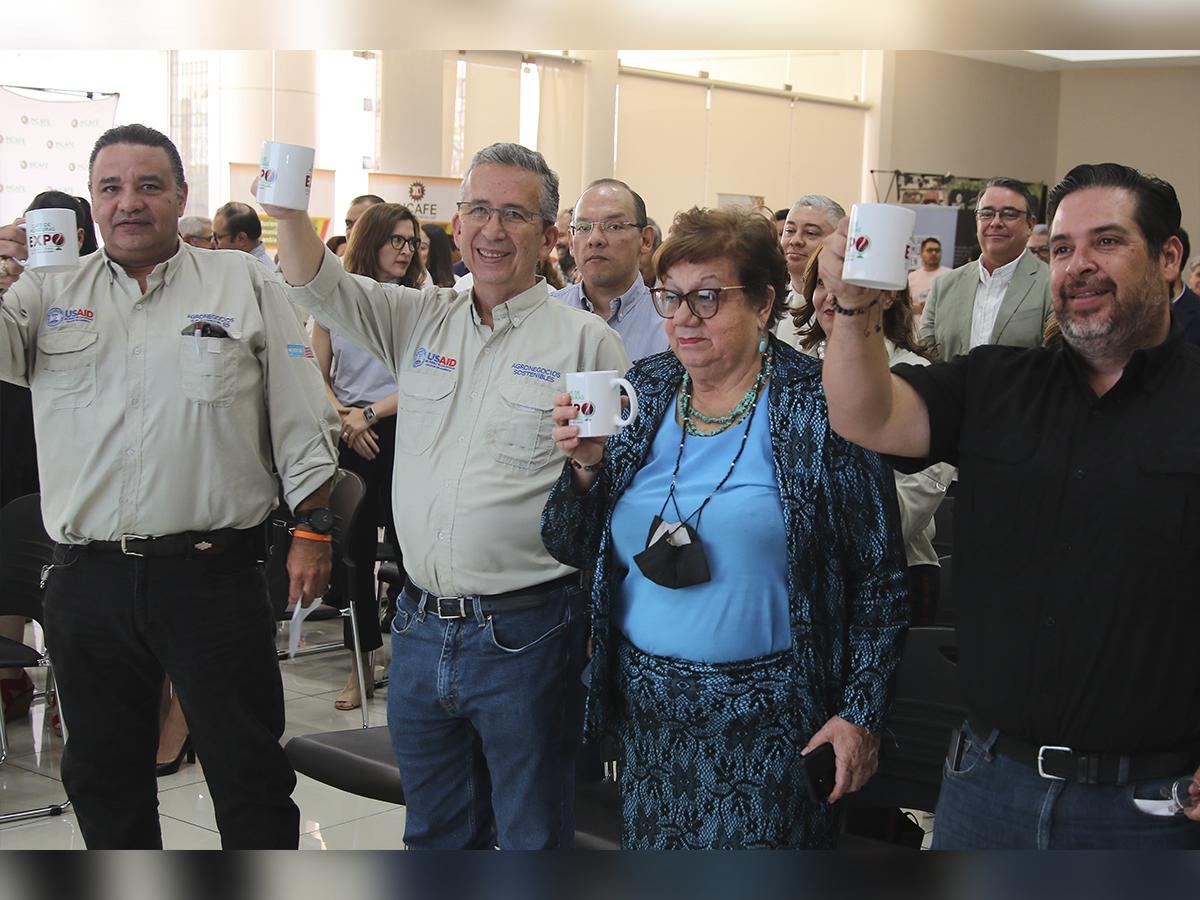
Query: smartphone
<point x="820" y="772"/>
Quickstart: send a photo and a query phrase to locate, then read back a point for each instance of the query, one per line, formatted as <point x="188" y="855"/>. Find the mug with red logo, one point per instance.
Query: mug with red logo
<point x="53" y="240"/>
<point x="878" y="246"/>
<point x="597" y="400"/>
<point x="285" y="175"/>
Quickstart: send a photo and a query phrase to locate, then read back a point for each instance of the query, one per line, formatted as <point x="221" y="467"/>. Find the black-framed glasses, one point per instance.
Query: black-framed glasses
<point x="1006" y="214"/>
<point x="481" y="214"/>
<point x="703" y="302"/>
<point x="398" y="241"/>
<point x="610" y="228"/>
<point x="217" y="238"/>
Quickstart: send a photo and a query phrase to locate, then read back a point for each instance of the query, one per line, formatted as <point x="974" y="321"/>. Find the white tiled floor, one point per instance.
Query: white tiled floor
<point x="329" y="818"/>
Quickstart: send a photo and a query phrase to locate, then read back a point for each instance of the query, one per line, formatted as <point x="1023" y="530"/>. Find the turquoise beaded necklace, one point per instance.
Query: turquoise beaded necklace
<point x="724" y="423"/>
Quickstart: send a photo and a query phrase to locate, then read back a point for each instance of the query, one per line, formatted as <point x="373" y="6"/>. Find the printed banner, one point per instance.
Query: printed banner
<point x="45" y="145"/>
<point x="431" y="198"/>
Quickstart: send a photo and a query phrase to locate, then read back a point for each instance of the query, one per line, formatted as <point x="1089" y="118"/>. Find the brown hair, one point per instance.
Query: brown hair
<point x="374" y="229"/>
<point x="744" y="237"/>
<point x="897" y="318"/>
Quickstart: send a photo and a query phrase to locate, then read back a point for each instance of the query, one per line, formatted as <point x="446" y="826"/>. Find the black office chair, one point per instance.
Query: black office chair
<point x="356" y="760"/>
<point x="361" y="762"/>
<point x="943" y="527"/>
<point x="25" y="549"/>
<point x="345" y="501"/>
<point x="929" y="704"/>
<point x="945" y="609"/>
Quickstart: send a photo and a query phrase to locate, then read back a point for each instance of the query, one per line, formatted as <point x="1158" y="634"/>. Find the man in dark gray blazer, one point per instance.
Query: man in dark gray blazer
<point x="1004" y="296"/>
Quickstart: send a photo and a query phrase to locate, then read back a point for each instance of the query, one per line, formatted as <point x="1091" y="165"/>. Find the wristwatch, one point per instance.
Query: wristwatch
<point x="369" y="415"/>
<point x="319" y="519"/>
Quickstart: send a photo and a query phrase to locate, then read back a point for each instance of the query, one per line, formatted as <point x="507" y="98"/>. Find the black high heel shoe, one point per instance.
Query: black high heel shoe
<point x="170" y="768"/>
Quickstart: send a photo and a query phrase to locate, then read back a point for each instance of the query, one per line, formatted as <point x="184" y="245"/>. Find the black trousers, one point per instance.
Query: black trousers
<point x="114" y="625"/>
<point x="364" y="539"/>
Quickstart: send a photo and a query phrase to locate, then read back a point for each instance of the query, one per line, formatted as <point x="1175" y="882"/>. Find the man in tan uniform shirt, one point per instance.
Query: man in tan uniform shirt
<point x="170" y="388"/>
<point x="483" y="703"/>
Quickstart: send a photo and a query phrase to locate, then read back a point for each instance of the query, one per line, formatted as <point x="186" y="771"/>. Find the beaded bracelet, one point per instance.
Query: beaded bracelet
<point x="596" y="468"/>
<point x="857" y="311"/>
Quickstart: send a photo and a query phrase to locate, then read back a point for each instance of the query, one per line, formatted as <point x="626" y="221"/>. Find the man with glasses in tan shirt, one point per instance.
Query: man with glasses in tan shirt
<point x="171" y="394"/>
<point x="1004" y="296"/>
<point x="487" y="643"/>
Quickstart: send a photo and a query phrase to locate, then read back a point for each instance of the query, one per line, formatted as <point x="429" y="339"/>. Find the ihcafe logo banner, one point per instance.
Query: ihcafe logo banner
<point x="425" y="357"/>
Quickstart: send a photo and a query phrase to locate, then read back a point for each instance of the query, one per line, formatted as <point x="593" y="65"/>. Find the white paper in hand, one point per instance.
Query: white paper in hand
<point x="299" y="614"/>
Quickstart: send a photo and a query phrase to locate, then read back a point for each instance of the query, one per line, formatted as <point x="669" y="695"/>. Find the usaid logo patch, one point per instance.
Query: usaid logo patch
<point x="431" y="358"/>
<point x="56" y="316"/>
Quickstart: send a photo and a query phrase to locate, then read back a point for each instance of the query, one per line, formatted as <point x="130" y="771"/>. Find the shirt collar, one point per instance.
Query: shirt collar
<point x="165" y="270"/>
<point x="1002" y="273"/>
<point x="516" y="309"/>
<point x="1146" y="367"/>
<point x="623" y="305"/>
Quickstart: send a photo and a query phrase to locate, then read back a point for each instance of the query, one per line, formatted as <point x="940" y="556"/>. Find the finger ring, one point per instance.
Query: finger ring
<point x="3" y="268"/>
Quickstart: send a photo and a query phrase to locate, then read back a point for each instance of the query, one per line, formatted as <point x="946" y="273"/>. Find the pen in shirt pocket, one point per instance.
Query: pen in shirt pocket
<point x="203" y="329"/>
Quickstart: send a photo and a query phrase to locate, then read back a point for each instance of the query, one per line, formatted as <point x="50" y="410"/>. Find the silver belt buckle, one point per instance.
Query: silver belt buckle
<point x="462" y="608"/>
<point x="135" y="537"/>
<point x="1041" y="752"/>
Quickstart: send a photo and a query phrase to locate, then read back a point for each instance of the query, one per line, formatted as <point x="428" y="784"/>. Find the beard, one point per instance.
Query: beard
<point x="1131" y="318"/>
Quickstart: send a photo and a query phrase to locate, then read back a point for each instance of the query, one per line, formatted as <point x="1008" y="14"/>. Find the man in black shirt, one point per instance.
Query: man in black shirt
<point x="1077" y="542"/>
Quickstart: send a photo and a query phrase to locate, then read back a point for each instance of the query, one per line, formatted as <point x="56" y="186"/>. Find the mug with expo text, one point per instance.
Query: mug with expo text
<point x="878" y="246"/>
<point x="285" y="175"/>
<point x="597" y="400"/>
<point x="52" y="240"/>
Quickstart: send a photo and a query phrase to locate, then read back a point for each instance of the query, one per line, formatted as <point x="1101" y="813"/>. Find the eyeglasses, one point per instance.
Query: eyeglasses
<point x="1007" y="214"/>
<point x="217" y="238"/>
<point x="398" y="242"/>
<point x="613" y="228"/>
<point x="703" y="303"/>
<point x="479" y="214"/>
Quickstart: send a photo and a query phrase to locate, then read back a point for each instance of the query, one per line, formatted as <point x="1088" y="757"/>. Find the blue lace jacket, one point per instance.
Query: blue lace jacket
<point x="847" y="585"/>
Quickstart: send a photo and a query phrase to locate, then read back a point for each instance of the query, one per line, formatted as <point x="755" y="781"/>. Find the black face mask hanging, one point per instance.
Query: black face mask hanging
<point x="674" y="556"/>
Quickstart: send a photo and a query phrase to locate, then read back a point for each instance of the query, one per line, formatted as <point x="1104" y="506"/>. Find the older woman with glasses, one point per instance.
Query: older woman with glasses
<point x="748" y="587"/>
<point x="383" y="245"/>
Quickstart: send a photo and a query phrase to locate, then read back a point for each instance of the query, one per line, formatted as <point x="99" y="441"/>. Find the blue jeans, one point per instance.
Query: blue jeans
<point x="993" y="802"/>
<point x="485" y="722"/>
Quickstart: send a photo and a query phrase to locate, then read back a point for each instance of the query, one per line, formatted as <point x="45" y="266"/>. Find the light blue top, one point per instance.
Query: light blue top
<point x="633" y="317"/>
<point x="358" y="377"/>
<point x="742" y="613"/>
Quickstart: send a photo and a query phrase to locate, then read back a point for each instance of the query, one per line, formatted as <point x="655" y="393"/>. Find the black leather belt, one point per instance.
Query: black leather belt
<point x="511" y="601"/>
<point x="1064" y="764"/>
<point x="189" y="543"/>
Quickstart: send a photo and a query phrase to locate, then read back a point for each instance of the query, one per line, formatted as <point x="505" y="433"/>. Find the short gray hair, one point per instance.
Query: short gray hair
<point x="1195" y="261"/>
<point x="529" y="160"/>
<point x="194" y="226"/>
<point x="832" y="208"/>
<point x="1041" y="228"/>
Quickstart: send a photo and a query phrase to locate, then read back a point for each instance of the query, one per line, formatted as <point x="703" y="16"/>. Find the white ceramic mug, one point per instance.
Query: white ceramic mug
<point x="597" y="397"/>
<point x="878" y="246"/>
<point x="52" y="239"/>
<point x="285" y="175"/>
